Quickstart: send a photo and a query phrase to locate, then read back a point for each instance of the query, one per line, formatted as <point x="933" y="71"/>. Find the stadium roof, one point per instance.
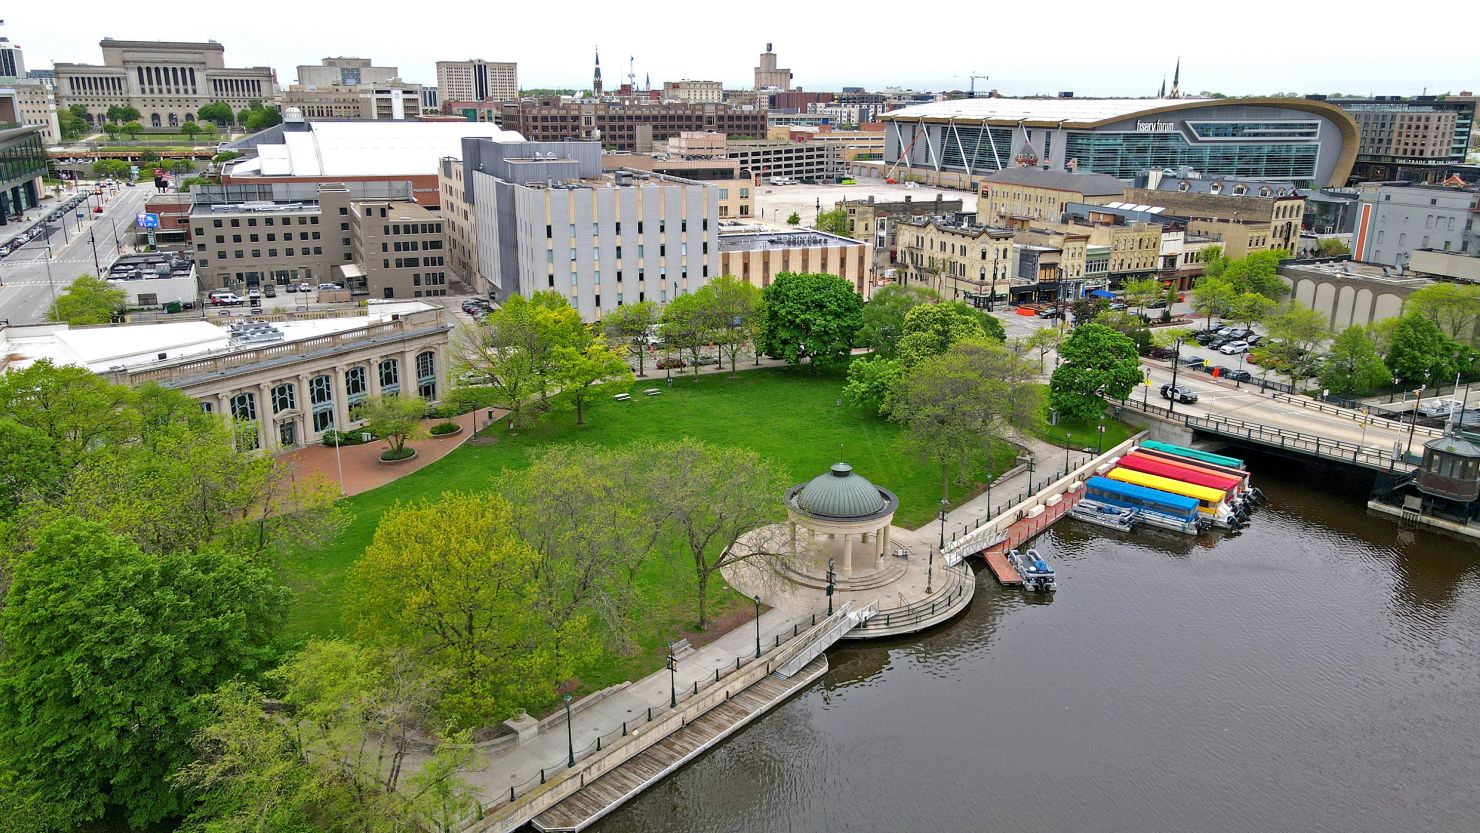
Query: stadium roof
<point x="365" y="148"/>
<point x="1077" y="110"/>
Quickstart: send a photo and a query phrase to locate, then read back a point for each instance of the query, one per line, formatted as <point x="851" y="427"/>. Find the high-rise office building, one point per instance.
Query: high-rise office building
<point x="477" y="80"/>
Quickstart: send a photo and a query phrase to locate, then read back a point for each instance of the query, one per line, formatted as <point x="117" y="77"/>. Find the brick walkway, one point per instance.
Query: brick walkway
<point x="363" y="470"/>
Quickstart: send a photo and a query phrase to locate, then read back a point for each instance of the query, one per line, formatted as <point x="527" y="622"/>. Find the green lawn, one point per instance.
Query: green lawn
<point x="792" y="416"/>
<point x="1083" y="434"/>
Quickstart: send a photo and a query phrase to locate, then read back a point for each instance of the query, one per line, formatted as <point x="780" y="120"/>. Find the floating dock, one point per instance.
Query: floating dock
<point x="615" y="788"/>
<point x="1007" y="575"/>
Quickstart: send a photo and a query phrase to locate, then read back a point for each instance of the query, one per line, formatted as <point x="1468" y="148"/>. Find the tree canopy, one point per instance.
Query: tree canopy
<point x="632" y="326"/>
<point x="1353" y="365"/>
<point x="1295" y="334"/>
<point x="809" y="316"/>
<point x="931" y="329"/>
<point x="1419" y="352"/>
<point x="883" y="317"/>
<point x="1096" y="363"/>
<point x="834" y="222"/>
<point x="89" y="300"/>
<point x="1454" y="308"/>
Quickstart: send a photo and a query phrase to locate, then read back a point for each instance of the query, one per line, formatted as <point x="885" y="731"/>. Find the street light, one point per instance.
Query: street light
<point x="832" y="583"/>
<point x="1176" y="365"/>
<point x="757" y="626"/>
<point x="1413" y="423"/>
<point x="570" y="735"/>
<point x="989" y="496"/>
<point x="1066" y="453"/>
<point x="672" y="678"/>
<point x="1100" y="445"/>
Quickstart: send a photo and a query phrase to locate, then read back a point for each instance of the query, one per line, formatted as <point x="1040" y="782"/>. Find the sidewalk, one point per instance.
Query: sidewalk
<point x="1015" y="485"/>
<point x="363" y="470"/>
<point x="520" y="766"/>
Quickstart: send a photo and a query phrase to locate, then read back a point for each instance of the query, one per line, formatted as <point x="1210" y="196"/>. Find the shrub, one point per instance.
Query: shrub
<point x="397" y="453"/>
<point x="342" y="438"/>
<point x="443" y="428"/>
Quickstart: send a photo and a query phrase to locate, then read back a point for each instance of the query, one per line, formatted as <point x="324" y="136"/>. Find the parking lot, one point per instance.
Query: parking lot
<point x="774" y="203"/>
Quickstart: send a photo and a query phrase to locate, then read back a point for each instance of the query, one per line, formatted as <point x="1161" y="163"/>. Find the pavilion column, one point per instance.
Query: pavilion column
<point x="848" y="553"/>
<point x="811" y="538"/>
<point x="886" y="539"/>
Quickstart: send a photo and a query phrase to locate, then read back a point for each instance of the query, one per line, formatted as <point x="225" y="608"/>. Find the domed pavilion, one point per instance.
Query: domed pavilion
<point x="846" y="519"/>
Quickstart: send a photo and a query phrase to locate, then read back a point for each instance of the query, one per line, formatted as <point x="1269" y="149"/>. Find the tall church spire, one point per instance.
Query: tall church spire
<point x="1162" y="93"/>
<point x="596" y="79"/>
<point x="1177" y="79"/>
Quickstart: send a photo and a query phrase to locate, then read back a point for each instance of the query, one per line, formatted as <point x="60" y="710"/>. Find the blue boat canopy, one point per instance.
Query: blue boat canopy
<point x="1100" y="293"/>
<point x="1122" y="493"/>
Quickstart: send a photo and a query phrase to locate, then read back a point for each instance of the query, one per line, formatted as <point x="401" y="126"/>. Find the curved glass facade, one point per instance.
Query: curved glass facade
<point x="21" y="158"/>
<point x="1124" y="155"/>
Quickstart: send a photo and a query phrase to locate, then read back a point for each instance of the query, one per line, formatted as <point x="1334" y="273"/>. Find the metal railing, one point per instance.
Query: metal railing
<point x="805" y="628"/>
<point x="1346" y="412"/>
<point x="925" y="609"/>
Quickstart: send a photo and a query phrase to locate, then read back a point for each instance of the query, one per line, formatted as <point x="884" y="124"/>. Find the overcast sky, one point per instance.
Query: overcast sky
<point x="1243" y="48"/>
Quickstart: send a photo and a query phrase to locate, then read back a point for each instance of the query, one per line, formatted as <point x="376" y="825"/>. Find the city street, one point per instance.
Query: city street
<point x="25" y="292"/>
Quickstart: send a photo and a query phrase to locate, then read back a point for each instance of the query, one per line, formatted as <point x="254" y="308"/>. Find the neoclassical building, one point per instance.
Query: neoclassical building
<point x="845" y="519"/>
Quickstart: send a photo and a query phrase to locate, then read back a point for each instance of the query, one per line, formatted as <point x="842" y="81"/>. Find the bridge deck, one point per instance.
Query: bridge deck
<point x="615" y="788"/>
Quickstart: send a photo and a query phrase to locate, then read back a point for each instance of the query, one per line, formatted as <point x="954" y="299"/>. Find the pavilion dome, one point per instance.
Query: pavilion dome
<point x="842" y="494"/>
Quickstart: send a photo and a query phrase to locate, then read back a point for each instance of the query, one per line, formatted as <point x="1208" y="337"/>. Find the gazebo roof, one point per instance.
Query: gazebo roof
<point x="1455" y="445"/>
<point x="841" y="494"/>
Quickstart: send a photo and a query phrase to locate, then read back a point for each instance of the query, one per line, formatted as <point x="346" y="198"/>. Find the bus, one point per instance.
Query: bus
<point x="1204" y="456"/>
<point x="1212" y="503"/>
<point x="1153" y="506"/>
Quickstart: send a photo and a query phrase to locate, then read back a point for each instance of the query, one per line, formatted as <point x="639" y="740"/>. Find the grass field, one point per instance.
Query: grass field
<point x="792" y="416"/>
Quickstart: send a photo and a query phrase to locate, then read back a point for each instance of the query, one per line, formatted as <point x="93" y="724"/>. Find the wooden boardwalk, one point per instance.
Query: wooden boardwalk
<point x="615" y="788"/>
<point x="1020" y="533"/>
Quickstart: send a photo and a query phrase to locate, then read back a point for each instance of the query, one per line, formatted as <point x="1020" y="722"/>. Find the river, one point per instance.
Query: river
<point x="1319" y="671"/>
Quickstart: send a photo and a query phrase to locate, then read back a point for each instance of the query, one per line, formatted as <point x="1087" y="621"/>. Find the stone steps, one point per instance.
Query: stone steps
<point x="893" y="568"/>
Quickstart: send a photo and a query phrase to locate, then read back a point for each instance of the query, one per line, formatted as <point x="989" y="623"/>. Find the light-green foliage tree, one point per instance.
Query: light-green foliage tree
<point x="883" y="317"/>
<point x="1213" y="296"/>
<point x="394" y="418"/>
<point x="931" y="329"/>
<point x="449" y="579"/>
<point x="1295" y="336"/>
<point x="1044" y="340"/>
<point x="1353" y="365"/>
<point x="89" y="300"/>
<point x="632" y="326"/>
<point x="589" y="372"/>
<point x="1331" y="247"/>
<point x="834" y="222"/>
<point x="810" y="317"/>
<point x="794" y="219"/>
<point x="1455" y="308"/>
<point x="1097" y="363"/>
<point x="106" y="650"/>
<point x="688" y="326"/>
<point x="512" y="350"/>
<point x="1258" y="272"/>
<point x="1250" y="308"/>
<point x="1141" y="291"/>
<point x="732" y="307"/>
<point x="870" y="381"/>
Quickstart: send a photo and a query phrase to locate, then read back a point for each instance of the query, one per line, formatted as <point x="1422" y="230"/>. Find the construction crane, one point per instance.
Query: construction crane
<point x="971" y="93"/>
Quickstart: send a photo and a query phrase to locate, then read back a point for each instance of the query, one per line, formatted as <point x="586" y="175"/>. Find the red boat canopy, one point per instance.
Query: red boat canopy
<point x="1149" y="465"/>
<point x="1189" y="463"/>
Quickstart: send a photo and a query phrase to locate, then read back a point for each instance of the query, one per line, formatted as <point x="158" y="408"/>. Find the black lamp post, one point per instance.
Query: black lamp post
<point x="1100" y="442"/>
<point x="989" y="497"/>
<point x="757" y="626"/>
<point x="570" y="736"/>
<point x="672" y="678"/>
<point x="832" y="583"/>
<point x="1066" y="453"/>
<point x="1413" y="423"/>
<point x="1176" y="363"/>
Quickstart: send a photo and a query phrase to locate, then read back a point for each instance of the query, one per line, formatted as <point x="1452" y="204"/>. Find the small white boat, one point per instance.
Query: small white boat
<point x="1036" y="574"/>
<point x="1118" y="518"/>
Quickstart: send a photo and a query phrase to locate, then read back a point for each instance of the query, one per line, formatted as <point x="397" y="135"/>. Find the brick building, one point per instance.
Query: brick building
<point x="616" y="124"/>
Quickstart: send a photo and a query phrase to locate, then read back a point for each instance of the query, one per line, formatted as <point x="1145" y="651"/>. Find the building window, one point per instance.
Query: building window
<point x="426" y="375"/>
<point x="244" y="407"/>
<point x="283" y="398"/>
<point x="390" y="377"/>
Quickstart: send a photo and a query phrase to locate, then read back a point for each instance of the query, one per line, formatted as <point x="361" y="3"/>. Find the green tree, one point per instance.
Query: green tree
<point x="688" y="325"/>
<point x="589" y="372"/>
<point x="111" y="129"/>
<point x="1129" y="324"/>
<point x="218" y="112"/>
<point x="448" y="578"/>
<point x="1420" y="353"/>
<point x="75" y="410"/>
<point x="871" y="379"/>
<point x="72" y="121"/>
<point x="513" y="349"/>
<point x="131" y="128"/>
<point x="1258" y="272"/>
<point x="1140" y="292"/>
<point x="732" y="307"/>
<point x="1381" y="332"/>
<point x="1332" y="247"/>
<point x="794" y="219"/>
<point x="810" y="316"/>
<point x="1454" y="307"/>
<point x="262" y="118"/>
<point x="106" y="650"/>
<point x="1249" y="308"/>
<point x="1295" y="334"/>
<point x="1353" y="365"/>
<point x="122" y="114"/>
<point x="88" y="300"/>
<point x="712" y="496"/>
<point x="190" y="129"/>
<point x="632" y="326"/>
<point x="1213" y="297"/>
<point x="833" y="222"/>
<point x="931" y="329"/>
<point x="883" y="317"/>
<point x="394" y="418"/>
<point x="1096" y="363"/>
<point x="1044" y="340"/>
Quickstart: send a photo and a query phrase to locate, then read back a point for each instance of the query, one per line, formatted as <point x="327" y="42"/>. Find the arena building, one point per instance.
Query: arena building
<point x="1313" y="143"/>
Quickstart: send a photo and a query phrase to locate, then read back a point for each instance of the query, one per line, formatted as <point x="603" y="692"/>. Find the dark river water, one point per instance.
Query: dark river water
<point x="1319" y="671"/>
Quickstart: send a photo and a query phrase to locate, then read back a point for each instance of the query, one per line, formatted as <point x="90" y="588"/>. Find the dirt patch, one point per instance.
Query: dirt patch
<point x="722" y="625"/>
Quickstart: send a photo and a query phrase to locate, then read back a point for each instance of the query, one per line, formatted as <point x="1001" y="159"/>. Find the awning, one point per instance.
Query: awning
<point x="1100" y="293"/>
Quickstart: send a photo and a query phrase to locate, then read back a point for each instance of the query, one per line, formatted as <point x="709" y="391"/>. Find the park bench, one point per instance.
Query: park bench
<point x="682" y="648"/>
<point x="621" y="397"/>
<point x="652" y="391"/>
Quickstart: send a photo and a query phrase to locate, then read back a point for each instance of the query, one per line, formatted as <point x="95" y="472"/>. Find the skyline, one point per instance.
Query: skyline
<point x="825" y="62"/>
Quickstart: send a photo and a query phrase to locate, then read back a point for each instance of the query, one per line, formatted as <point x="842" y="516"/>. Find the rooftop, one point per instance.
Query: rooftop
<point x="1076" y="110"/>
<point x="1088" y="184"/>
<point x="142" y="346"/>
<point x="1353" y="270"/>
<point x="782" y="240"/>
<point x="362" y="148"/>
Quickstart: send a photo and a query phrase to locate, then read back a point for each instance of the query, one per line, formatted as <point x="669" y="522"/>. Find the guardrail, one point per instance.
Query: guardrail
<point x="1347" y="413"/>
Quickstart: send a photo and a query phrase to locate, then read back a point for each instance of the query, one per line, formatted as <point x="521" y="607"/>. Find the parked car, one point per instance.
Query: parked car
<point x="1117" y="306"/>
<point x="1179" y="393"/>
<point x="673" y="362"/>
<point x="270" y="290"/>
<point x="1051" y="312"/>
<point x="1233" y="348"/>
<point x="292" y="287"/>
<point x="1226" y="331"/>
<point x="1205" y="336"/>
<point x="305" y="286"/>
<point x="225" y="299"/>
<point x="1192" y="361"/>
<point x="1253" y="339"/>
<point x="1162" y="353"/>
<point x="329" y="287"/>
<point x="255" y="296"/>
<point x="1238" y="375"/>
<point x="1218" y="341"/>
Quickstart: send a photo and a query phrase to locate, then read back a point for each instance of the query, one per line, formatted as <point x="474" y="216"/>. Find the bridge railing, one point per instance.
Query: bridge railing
<point x="1358" y="416"/>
